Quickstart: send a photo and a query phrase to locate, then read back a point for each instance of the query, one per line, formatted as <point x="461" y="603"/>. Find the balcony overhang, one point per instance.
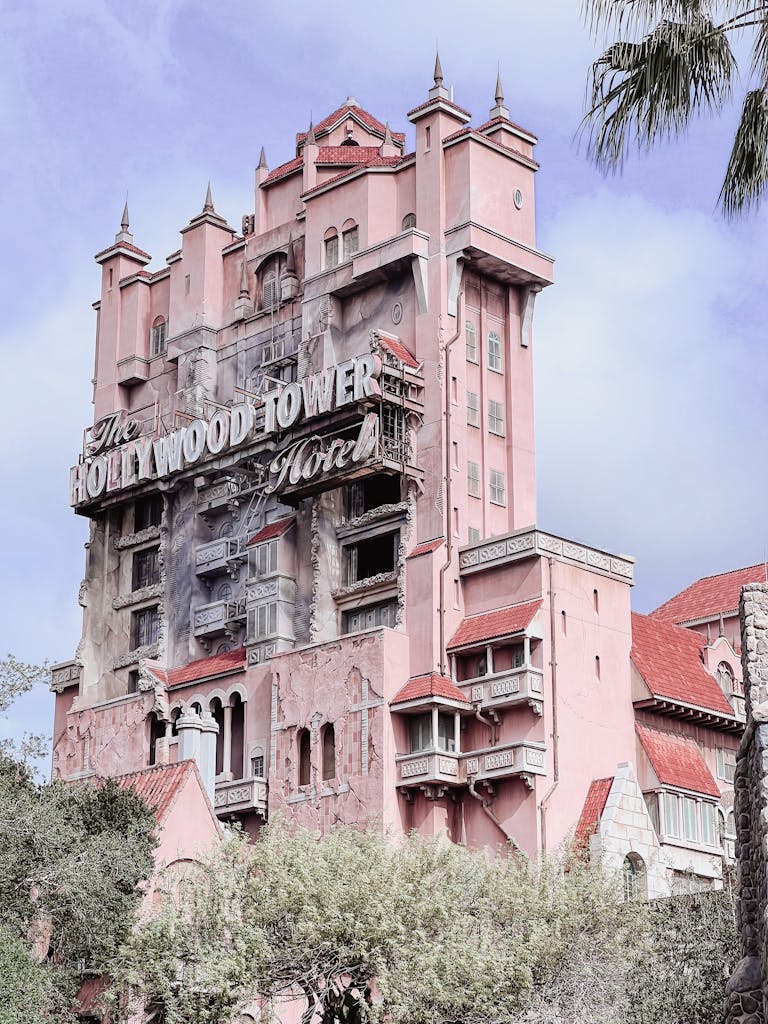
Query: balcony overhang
<point x="241" y="796"/>
<point x="521" y="759"/>
<point x="509" y="688"/>
<point x="389" y="259"/>
<point x="498" y="256"/>
<point x="705" y="717"/>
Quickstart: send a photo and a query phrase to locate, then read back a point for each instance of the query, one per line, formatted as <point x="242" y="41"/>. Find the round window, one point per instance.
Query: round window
<point x="517" y="198"/>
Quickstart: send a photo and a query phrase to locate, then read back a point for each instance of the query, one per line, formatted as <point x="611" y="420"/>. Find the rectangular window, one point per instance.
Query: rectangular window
<point x="446" y="733"/>
<point x="690" y="830"/>
<point x="498" y="488"/>
<point x="707" y="823"/>
<point x="262" y="621"/>
<point x="257" y="766"/>
<point x="471" y="338"/>
<point x="473" y="535"/>
<point x="332" y="252"/>
<point x="726" y="764"/>
<point x="262" y="559"/>
<point x="371" y="557"/>
<point x="671" y="816"/>
<point x="518" y="656"/>
<point x="147" y="512"/>
<point x="157" y="339"/>
<point x="146" y="568"/>
<point x="133" y="681"/>
<point x="384" y="613"/>
<point x="420" y="730"/>
<point x="351" y="240"/>
<point x="473" y="409"/>
<point x="496" y="417"/>
<point x="144" y="627"/>
<point x="374" y="491"/>
<point x="494" y="353"/>
<point x="473" y="479"/>
<point x="652" y="801"/>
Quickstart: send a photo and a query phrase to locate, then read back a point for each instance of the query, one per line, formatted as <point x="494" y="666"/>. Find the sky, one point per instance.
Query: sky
<point x="650" y="355"/>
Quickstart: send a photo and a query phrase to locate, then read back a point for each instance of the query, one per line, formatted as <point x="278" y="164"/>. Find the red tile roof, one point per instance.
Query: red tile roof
<point x="709" y="596"/>
<point x="504" y="120"/>
<point x="204" y="668"/>
<point x="592" y="811"/>
<point x="271" y="530"/>
<point x="160" y="785"/>
<point x="677" y="761"/>
<point x="377" y="161"/>
<point x="429" y="685"/>
<point x="398" y="349"/>
<point x="448" y="103"/>
<point x="475" y="133"/>
<point x="346" y="154"/>
<point x="329" y="123"/>
<point x="283" y="170"/>
<point x="669" y="659"/>
<point x="426" y="547"/>
<point x="123" y="245"/>
<point x="489" y="625"/>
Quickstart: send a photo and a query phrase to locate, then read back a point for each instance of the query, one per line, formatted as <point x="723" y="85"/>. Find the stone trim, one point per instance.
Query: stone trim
<point x="130" y="540"/>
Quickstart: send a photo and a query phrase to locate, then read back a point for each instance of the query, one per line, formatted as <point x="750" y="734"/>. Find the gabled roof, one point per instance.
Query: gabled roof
<point x="160" y="785"/>
<point x="429" y="685"/>
<point x="283" y="170"/>
<point x="346" y="154"/>
<point x="376" y="161"/>
<point x="490" y="625"/>
<point x="677" y="761"/>
<point x="123" y="245"/>
<point x="271" y="530"/>
<point x="710" y="595"/>
<point x="328" y="123"/>
<point x="426" y="547"/>
<point x="669" y="659"/>
<point x="399" y="351"/>
<point x="592" y="811"/>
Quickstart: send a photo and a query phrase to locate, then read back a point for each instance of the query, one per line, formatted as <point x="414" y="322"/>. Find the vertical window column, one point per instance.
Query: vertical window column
<point x="227" y="766"/>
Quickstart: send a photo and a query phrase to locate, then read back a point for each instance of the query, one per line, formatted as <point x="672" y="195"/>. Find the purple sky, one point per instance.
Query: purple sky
<point x="650" y="350"/>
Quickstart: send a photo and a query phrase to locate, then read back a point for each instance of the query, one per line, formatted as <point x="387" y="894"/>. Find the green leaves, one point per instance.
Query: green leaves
<point x="672" y="63"/>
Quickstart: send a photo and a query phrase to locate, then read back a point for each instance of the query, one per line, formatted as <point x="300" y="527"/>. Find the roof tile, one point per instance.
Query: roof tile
<point x="677" y="761"/>
<point x="429" y="685"/>
<point x="271" y="530"/>
<point x="426" y="547"/>
<point x="328" y="123"/>
<point x="158" y="786"/>
<point x="669" y="659"/>
<point x="398" y="349"/>
<point x="592" y="811"/>
<point x="709" y="596"/>
<point x="489" y="625"/>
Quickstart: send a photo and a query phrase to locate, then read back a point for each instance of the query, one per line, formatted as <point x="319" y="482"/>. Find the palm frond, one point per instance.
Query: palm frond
<point x="746" y="177"/>
<point x="645" y="91"/>
<point x="760" y="49"/>
<point x="631" y="17"/>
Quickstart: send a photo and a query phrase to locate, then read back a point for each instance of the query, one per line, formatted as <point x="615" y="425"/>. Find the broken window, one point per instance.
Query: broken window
<point x="374" y="491"/>
<point x="383" y="613"/>
<point x="371" y="557"/>
<point x="147" y="512"/>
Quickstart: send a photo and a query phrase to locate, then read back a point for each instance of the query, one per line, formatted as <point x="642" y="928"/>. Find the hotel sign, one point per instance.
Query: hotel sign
<point x="116" y="456"/>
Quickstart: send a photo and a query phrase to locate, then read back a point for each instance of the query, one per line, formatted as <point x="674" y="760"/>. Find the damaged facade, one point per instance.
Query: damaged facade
<point x="314" y="566"/>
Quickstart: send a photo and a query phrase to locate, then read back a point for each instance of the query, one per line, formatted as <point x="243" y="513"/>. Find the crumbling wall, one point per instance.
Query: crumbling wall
<point x="747" y="990"/>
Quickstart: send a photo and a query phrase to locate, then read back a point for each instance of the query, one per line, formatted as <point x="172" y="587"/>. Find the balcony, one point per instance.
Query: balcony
<point x="509" y="688"/>
<point x="241" y="795"/>
<point x="223" y="495"/>
<point x="216" y="619"/>
<point x="521" y="759"/>
<point x="216" y="557"/>
<point x="64" y="675"/>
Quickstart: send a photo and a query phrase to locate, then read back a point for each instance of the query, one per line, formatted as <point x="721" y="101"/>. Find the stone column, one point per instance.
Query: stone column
<point x="209" y="730"/>
<point x="188" y="727"/>
<point x="226" y="764"/>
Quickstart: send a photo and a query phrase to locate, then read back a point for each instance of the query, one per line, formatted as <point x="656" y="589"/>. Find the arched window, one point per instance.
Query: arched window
<point x="305" y="757"/>
<point x="331" y="245"/>
<point x="329" y="752"/>
<point x="633" y="876"/>
<point x="350" y="237"/>
<point x="224" y="593"/>
<point x="224" y="648"/>
<point x="725" y="678"/>
<point x="225" y="530"/>
<point x="470" y="333"/>
<point x="175" y="715"/>
<point x="269" y="289"/>
<point x="156" y="732"/>
<point x="157" y="336"/>
<point x="237" y="744"/>
<point x="409" y="221"/>
<point x="218" y="716"/>
<point x="495" y="361"/>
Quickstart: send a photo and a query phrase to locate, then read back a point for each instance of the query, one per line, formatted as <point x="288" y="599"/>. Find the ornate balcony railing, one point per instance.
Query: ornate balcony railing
<point x="240" y="795"/>
<point x="507" y="688"/>
<point x="523" y="759"/>
<point x="217" y="618"/>
<point x="213" y="558"/>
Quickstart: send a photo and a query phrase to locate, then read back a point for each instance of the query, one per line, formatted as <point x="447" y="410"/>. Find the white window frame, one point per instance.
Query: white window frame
<point x="495" y="417"/>
<point x="473" y="409"/>
<point x="495" y="353"/>
<point x="671" y="816"/>
<point x="350" y="242"/>
<point x="470" y="334"/>
<point x="473" y="535"/>
<point x="726" y="764"/>
<point x="263" y="621"/>
<point x="157" y="339"/>
<point x="331" y="252"/>
<point x="497" y="487"/>
<point x="262" y="559"/>
<point x="474" y="487"/>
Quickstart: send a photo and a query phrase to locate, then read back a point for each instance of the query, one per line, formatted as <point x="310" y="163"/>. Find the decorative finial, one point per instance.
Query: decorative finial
<point x="310" y="140"/>
<point x="388" y="136"/>
<point x="244" y="293"/>
<point x="208" y="205"/>
<point x="125" y="223"/>
<point x="499" y="97"/>
<point x="262" y="159"/>
<point x="438" y="76"/>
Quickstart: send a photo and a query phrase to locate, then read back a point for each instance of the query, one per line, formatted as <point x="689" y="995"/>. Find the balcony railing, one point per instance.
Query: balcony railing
<point x="223" y="494"/>
<point x="213" y="558"/>
<point x="443" y="768"/>
<point x="505" y="689"/>
<point x="217" y="618"/>
<point x="241" y="795"/>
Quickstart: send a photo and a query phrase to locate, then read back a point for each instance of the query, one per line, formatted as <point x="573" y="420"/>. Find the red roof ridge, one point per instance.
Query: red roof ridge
<point x="592" y="811"/>
<point x="497" y="622"/>
<point x="160" y="786"/>
<point x="677" y="760"/>
<point x="428" y="684"/>
<point x="378" y="161"/>
<point x="399" y="350"/>
<point x="426" y="546"/>
<point x="346" y="109"/>
<point x="271" y="530"/>
<point x="206" y="668"/>
<point x="708" y="596"/>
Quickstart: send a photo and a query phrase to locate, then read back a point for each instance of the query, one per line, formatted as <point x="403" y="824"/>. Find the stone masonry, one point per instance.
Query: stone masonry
<point x="747" y="989"/>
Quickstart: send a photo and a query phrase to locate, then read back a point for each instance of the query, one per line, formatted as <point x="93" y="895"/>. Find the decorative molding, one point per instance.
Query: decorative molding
<point x="137" y="596"/>
<point x="412" y="768"/>
<point x="133" y="657"/>
<point x="535" y="542"/>
<point x="131" y="540"/>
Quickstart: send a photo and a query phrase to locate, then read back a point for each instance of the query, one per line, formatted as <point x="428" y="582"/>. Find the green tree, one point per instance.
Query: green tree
<point x="673" y="61"/>
<point x="17" y="678"/>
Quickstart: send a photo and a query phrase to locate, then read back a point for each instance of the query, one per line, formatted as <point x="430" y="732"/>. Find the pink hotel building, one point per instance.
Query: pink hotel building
<point x="314" y="566"/>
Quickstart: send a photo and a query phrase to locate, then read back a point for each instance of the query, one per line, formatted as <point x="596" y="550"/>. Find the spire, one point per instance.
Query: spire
<point x="262" y="160"/>
<point x="438" y="90"/>
<point x="388" y="136"/>
<point x="125" y="222"/>
<point x="124" y="235"/>
<point x="244" y="293"/>
<point x="310" y="139"/>
<point x="290" y="261"/>
<point x="208" y="204"/>
<point x="499" y="110"/>
<point x="438" y="75"/>
<point x="388" y="147"/>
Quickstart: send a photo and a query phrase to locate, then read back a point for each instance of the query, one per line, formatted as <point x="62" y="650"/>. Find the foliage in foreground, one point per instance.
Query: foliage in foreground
<point x="71" y="860"/>
<point x="673" y="61"/>
<point x="425" y="933"/>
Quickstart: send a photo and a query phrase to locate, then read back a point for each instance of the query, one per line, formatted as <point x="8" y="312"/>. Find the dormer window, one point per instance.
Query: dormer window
<point x="409" y="221"/>
<point x="331" y="248"/>
<point x="725" y="678"/>
<point x="351" y="239"/>
<point x="157" y="336"/>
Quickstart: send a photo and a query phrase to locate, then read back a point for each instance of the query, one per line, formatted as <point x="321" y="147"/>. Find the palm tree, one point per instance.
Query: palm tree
<point x="672" y="62"/>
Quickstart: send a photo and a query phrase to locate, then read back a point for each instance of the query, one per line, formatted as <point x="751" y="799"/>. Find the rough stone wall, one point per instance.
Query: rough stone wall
<point x="747" y="990"/>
